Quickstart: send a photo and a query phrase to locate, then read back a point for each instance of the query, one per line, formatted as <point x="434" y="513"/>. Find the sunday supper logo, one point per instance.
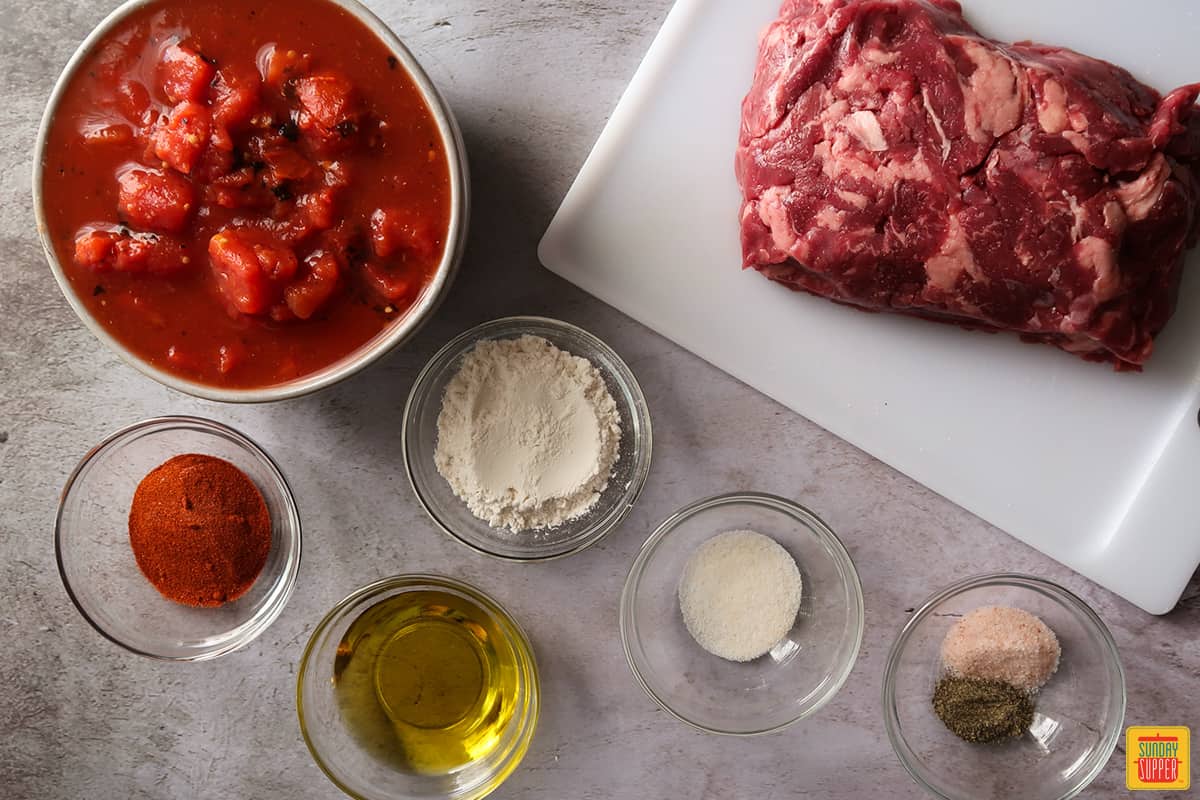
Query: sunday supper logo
<point x="1158" y="758"/>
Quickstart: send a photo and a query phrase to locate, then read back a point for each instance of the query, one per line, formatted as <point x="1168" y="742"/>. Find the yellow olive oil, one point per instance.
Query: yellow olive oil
<point x="426" y="681"/>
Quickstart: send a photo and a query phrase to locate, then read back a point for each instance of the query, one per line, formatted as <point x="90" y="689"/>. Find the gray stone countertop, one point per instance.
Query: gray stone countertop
<point x="532" y="84"/>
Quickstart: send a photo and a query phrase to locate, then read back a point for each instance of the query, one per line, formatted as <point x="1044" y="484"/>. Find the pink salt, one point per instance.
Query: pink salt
<point x="1002" y="644"/>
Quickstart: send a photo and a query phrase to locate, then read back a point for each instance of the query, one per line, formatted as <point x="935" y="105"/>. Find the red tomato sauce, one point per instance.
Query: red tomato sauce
<point x="245" y="192"/>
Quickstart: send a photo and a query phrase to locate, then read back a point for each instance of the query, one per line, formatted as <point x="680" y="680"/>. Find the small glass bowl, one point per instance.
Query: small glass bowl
<point x="798" y="676"/>
<point x="1079" y="711"/>
<point x="452" y="515"/>
<point x="339" y="753"/>
<point x="101" y="575"/>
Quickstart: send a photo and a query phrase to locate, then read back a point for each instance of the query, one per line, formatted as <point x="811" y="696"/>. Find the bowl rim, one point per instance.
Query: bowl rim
<point x="413" y="580"/>
<point x="642" y="452"/>
<point x="285" y="584"/>
<point x="1017" y="579"/>
<point x="400" y="330"/>
<point x="775" y="503"/>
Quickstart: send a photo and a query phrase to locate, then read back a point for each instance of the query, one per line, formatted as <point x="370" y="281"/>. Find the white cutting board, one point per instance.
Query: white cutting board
<point x="1097" y="469"/>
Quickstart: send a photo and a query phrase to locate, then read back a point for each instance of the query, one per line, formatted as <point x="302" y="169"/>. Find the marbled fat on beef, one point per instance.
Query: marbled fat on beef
<point x="892" y="158"/>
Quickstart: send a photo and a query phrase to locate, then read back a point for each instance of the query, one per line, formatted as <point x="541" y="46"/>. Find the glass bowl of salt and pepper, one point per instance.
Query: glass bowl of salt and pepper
<point x="1044" y="736"/>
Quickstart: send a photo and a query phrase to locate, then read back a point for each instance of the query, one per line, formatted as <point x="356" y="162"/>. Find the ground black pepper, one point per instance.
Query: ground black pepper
<point x="982" y="711"/>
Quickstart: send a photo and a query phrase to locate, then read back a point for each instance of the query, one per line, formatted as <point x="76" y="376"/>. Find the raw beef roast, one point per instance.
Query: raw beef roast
<point x="894" y="159"/>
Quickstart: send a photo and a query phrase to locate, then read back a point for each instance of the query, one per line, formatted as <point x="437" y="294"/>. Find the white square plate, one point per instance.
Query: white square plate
<point x="1100" y="470"/>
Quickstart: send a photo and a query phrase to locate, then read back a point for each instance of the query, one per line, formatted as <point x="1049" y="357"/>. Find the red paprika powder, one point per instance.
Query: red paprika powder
<point x="200" y="530"/>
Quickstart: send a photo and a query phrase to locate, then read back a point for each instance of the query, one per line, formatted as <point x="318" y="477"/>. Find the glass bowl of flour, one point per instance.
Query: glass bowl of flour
<point x="527" y="438"/>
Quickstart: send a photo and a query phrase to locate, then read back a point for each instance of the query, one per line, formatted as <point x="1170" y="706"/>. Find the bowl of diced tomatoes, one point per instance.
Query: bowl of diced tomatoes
<point x="250" y="201"/>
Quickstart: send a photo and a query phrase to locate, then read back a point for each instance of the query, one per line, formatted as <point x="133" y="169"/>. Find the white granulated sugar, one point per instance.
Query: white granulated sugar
<point x="528" y="434"/>
<point x="739" y="594"/>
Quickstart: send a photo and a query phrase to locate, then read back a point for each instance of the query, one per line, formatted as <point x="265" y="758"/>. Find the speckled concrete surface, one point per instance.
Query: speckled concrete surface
<point x="532" y="84"/>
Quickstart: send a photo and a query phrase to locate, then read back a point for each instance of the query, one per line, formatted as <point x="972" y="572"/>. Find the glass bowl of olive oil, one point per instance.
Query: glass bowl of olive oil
<point x="418" y="686"/>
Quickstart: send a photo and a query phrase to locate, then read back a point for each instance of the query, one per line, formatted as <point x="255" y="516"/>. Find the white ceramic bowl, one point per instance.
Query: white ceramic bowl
<point x="395" y="334"/>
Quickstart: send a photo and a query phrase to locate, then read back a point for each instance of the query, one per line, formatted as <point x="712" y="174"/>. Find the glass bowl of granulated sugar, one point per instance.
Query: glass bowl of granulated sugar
<point x="527" y="439"/>
<point x="742" y="614"/>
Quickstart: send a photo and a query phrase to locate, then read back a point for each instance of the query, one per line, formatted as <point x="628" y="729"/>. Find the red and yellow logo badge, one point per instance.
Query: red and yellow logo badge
<point x="1158" y="758"/>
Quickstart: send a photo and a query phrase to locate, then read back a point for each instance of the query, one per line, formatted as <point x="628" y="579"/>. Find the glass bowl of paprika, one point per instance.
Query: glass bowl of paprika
<point x="178" y="539"/>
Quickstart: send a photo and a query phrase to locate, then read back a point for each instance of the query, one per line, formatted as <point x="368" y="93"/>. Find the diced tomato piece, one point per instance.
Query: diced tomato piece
<point x="235" y="97"/>
<point x="156" y="255"/>
<point x="235" y="182"/>
<point x="285" y="164"/>
<point x="281" y="313"/>
<point x="389" y="282"/>
<point x="236" y="179"/>
<point x="94" y="249"/>
<point x="184" y="75"/>
<point x="222" y="140"/>
<point x="216" y="162"/>
<point x="182" y="359"/>
<point x="398" y="231"/>
<point x="318" y="209"/>
<point x="230" y="356"/>
<point x="326" y="100"/>
<point x="134" y="253"/>
<point x="311" y="212"/>
<point x="306" y="296"/>
<point x="277" y="261"/>
<point x="251" y="268"/>
<point x="156" y="201"/>
<point x="292" y="230"/>
<point x="337" y="174"/>
<point x="108" y="134"/>
<point x="224" y="196"/>
<point x="235" y="101"/>
<point x="330" y="111"/>
<point x="346" y="243"/>
<point x="183" y="137"/>
<point x="238" y="189"/>
<point x="282" y="65"/>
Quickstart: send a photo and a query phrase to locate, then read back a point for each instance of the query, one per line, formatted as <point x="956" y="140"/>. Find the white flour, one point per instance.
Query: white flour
<point x="528" y="434"/>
